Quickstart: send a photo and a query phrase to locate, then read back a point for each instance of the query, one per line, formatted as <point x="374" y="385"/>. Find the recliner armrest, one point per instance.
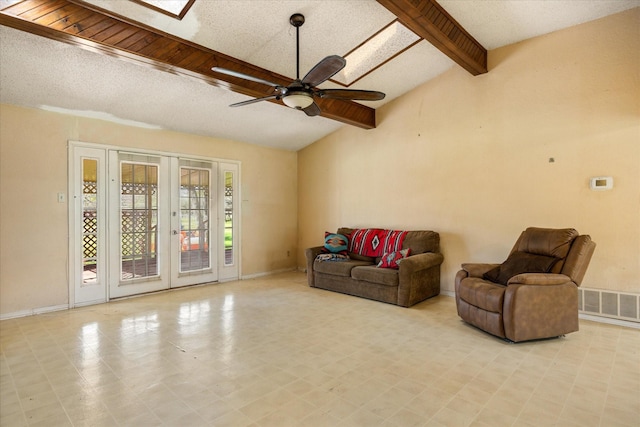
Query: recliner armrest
<point x="539" y="279"/>
<point x="541" y="308"/>
<point x="477" y="269"/>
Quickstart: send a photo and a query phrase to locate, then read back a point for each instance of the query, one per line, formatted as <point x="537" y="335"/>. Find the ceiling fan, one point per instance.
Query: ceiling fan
<point x="300" y="93"/>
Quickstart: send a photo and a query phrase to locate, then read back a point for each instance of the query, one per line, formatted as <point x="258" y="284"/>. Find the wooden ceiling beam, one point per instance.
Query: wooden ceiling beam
<point x="89" y="27"/>
<point x="430" y="21"/>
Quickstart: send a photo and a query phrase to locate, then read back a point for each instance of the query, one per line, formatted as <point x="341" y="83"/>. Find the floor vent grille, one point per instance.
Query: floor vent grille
<point x="618" y="305"/>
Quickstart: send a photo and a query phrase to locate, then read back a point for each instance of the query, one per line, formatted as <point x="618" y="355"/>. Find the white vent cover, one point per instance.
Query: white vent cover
<point x="618" y="305"/>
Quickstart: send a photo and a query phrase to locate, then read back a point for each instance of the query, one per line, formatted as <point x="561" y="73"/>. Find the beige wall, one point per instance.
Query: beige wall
<point x="34" y="227"/>
<point x="465" y="156"/>
<point x="469" y="156"/>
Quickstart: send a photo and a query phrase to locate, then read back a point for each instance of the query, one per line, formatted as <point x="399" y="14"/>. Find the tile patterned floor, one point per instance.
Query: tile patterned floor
<point x="273" y="352"/>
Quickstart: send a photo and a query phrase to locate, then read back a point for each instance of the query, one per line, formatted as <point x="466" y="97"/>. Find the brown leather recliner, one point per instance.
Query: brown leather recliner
<point x="508" y="302"/>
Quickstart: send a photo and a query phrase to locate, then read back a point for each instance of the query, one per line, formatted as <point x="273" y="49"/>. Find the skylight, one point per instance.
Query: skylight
<point x="175" y="8"/>
<point x="383" y="46"/>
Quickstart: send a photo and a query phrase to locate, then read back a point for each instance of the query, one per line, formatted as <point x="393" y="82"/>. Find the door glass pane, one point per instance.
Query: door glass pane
<point x="138" y="220"/>
<point x="228" y="218"/>
<point x="194" y="219"/>
<point x="89" y="221"/>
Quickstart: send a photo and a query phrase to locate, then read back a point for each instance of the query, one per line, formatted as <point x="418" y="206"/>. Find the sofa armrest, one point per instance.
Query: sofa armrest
<point x="539" y="279"/>
<point x="419" y="278"/>
<point x="420" y="262"/>
<point x="311" y="254"/>
<point x="477" y="269"/>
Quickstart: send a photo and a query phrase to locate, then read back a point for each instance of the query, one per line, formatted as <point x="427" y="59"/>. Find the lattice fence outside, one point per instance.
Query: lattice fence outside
<point x="89" y="223"/>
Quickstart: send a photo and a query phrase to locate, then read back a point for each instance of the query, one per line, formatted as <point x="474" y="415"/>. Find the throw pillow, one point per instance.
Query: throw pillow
<point x="518" y="263"/>
<point x="335" y="243"/>
<point x="392" y="259"/>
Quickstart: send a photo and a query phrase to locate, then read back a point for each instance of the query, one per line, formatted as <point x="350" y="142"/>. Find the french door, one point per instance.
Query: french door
<point x="144" y="222"/>
<point x="191" y="226"/>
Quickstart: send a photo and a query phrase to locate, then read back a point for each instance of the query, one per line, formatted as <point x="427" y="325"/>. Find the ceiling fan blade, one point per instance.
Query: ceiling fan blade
<point x="312" y="110"/>
<point x="351" y="94"/>
<point x="324" y="70"/>
<point x="251" y="101"/>
<point x="243" y="76"/>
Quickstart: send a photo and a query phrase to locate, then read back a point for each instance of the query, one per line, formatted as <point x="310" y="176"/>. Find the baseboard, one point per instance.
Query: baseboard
<point x="610" y="321"/>
<point x="34" y="311"/>
<point x="267" y="273"/>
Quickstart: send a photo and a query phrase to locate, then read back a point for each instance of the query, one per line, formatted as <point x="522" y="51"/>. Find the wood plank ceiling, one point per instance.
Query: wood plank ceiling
<point x="93" y="28"/>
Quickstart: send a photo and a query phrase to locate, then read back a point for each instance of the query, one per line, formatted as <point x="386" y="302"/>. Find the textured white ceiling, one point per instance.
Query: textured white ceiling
<point x="41" y="73"/>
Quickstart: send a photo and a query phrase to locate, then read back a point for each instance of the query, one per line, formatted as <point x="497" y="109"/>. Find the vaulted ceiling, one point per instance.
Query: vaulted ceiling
<point x="119" y="60"/>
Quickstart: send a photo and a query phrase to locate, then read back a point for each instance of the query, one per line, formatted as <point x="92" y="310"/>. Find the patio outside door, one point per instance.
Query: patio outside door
<point x="193" y="222"/>
<point x="139" y="238"/>
<point x="161" y="213"/>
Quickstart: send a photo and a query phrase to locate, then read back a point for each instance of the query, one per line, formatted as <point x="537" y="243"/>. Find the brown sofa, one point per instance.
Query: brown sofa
<point x="530" y="305"/>
<point x="416" y="279"/>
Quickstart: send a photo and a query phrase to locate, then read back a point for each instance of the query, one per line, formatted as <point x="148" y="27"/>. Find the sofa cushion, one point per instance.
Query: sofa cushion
<point x="372" y="274"/>
<point x="422" y="241"/>
<point x="482" y="294"/>
<point x="358" y="257"/>
<point x="391" y="260"/>
<point x="335" y="243"/>
<point x="518" y="263"/>
<point x="337" y="268"/>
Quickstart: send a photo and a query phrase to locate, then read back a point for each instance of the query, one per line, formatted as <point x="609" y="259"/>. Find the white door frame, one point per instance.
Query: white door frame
<point x="229" y="270"/>
<point x="101" y="152"/>
<point x="79" y="292"/>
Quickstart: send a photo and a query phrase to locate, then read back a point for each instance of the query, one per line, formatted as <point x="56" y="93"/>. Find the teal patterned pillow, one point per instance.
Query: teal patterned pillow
<point x="335" y="243"/>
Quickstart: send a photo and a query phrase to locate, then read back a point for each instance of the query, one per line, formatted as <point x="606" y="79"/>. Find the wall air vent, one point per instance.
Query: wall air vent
<point x="617" y="305"/>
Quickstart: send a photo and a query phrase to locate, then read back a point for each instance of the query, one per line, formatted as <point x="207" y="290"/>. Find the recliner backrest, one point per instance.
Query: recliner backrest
<point x="548" y="242"/>
<point x="577" y="261"/>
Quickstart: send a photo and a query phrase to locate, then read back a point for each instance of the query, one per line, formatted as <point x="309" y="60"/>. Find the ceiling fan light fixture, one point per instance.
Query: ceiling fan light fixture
<point x="298" y="100"/>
